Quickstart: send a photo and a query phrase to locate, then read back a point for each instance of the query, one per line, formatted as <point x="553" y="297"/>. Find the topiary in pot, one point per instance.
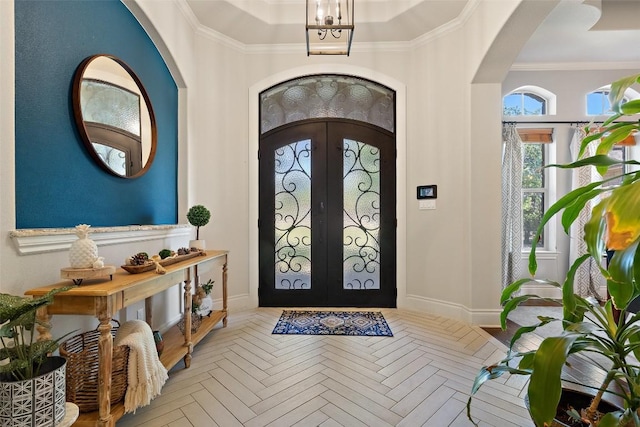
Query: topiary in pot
<point x="595" y="332"/>
<point x="198" y="216"/>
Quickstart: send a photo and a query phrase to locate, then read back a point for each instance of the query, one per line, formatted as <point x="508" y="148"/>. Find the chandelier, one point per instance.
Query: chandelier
<point x="329" y="27"/>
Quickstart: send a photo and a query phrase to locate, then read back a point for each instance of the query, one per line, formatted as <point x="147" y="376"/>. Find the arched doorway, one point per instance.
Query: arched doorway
<point x="327" y="221"/>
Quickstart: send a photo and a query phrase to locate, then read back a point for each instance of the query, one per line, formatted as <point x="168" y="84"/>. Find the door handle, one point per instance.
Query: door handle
<point x="321" y="206"/>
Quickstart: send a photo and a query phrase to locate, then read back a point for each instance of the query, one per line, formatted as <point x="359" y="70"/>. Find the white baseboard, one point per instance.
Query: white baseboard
<point x="481" y="317"/>
<point x="546" y="291"/>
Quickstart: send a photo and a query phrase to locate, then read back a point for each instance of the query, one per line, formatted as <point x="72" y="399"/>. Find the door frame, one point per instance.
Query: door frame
<point x="401" y="167"/>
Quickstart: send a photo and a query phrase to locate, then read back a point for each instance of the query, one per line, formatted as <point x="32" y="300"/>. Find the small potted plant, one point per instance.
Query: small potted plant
<point x="608" y="334"/>
<point x="32" y="383"/>
<point x="202" y="304"/>
<point x="198" y="216"/>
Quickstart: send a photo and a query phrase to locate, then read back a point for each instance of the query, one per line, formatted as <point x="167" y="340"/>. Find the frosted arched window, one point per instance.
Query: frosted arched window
<point x="327" y="95"/>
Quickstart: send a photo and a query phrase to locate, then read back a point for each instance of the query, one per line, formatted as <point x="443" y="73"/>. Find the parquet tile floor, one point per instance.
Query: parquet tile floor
<point x="242" y="375"/>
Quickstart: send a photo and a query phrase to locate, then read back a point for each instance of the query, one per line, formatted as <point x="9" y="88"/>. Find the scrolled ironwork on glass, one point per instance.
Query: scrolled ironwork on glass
<point x="361" y="228"/>
<point x="293" y="216"/>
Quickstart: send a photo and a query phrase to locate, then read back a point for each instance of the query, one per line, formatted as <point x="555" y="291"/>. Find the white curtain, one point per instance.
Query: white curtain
<point x="511" y="204"/>
<point x="588" y="276"/>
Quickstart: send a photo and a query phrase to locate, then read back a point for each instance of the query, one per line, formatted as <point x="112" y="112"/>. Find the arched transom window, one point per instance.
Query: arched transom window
<point x="327" y="95"/>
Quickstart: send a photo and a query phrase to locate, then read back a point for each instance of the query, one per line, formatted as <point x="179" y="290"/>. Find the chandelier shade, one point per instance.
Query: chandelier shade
<point x="329" y="27"/>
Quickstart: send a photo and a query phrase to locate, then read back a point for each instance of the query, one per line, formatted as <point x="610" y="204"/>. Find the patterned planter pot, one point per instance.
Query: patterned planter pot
<point x="36" y="402"/>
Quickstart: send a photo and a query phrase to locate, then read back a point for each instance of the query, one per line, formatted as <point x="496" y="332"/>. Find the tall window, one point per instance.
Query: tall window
<point x="524" y="104"/>
<point x="533" y="192"/>
<point x="618" y="152"/>
<point x="536" y="180"/>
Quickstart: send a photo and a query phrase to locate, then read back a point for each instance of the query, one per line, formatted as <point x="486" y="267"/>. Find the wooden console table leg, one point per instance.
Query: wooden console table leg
<point x="105" y="355"/>
<point x="44" y="324"/>
<point x="148" y="310"/>
<point x="187" y="318"/>
<point x="224" y="292"/>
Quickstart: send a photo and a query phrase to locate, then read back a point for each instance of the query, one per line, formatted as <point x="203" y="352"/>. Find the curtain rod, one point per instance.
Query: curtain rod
<point x="566" y="122"/>
<point x="515" y="122"/>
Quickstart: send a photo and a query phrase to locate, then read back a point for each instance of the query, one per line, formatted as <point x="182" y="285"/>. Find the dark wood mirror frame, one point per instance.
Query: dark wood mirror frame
<point x="83" y="127"/>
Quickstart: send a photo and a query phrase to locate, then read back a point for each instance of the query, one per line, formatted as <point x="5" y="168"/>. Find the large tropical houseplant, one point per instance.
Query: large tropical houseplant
<point x="32" y="383"/>
<point x="612" y="341"/>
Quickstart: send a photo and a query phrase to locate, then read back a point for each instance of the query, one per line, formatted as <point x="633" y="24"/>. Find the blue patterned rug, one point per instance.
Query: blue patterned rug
<point x="367" y="323"/>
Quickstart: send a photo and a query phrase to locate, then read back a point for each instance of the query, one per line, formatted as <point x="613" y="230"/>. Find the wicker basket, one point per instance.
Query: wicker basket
<point x="196" y="320"/>
<point x="81" y="352"/>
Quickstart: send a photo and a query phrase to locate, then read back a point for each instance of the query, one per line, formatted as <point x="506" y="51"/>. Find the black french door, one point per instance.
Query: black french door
<point x="327" y="215"/>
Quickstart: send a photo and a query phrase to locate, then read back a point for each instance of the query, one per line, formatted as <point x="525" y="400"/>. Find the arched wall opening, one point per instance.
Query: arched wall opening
<point x="486" y="133"/>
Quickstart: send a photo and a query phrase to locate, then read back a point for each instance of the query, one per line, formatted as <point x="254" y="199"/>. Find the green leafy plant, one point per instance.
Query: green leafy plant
<point x="198" y="216"/>
<point x="164" y="253"/>
<point x="588" y="329"/>
<point x="207" y="287"/>
<point x="17" y="335"/>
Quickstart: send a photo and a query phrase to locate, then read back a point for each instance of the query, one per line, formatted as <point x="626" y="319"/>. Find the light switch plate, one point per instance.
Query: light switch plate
<point x="427" y="204"/>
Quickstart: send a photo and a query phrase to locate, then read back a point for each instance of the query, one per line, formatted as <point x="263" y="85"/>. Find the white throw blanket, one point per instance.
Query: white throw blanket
<point x="146" y="374"/>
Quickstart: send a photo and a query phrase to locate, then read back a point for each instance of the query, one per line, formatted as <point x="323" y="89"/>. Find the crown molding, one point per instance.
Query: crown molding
<point x="221" y="38"/>
<point x="575" y="66"/>
<point x="188" y="13"/>
<point x="449" y="27"/>
<point x="205" y="31"/>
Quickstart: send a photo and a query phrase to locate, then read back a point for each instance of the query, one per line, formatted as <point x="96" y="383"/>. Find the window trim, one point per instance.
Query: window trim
<point x="537" y="91"/>
<point x="550" y="185"/>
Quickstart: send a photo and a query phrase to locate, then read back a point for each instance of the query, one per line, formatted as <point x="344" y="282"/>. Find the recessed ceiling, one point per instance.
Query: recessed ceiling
<point x="282" y="21"/>
<point x="577" y="31"/>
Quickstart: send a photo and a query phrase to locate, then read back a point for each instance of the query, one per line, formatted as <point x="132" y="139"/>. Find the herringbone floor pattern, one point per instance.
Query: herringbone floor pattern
<point x="243" y="375"/>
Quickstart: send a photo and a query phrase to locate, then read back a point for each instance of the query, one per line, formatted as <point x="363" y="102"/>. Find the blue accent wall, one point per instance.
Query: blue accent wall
<point x="57" y="182"/>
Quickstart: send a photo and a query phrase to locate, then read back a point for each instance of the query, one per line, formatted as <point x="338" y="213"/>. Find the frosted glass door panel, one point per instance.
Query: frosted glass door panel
<point x="112" y="157"/>
<point x="293" y="216"/>
<point x="361" y="232"/>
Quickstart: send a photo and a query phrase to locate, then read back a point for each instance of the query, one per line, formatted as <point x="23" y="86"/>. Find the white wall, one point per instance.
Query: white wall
<point x="213" y="78"/>
<point x="451" y="255"/>
<point x="449" y="269"/>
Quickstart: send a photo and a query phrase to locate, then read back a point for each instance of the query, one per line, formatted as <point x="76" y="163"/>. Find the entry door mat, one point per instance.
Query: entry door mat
<point x="302" y="322"/>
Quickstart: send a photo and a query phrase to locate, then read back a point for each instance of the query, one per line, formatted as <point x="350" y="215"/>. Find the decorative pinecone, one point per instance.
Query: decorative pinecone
<point x="141" y="258"/>
<point x="184" y="251"/>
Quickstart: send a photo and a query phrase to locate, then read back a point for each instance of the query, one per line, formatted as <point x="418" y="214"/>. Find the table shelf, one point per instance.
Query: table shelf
<point x="174" y="346"/>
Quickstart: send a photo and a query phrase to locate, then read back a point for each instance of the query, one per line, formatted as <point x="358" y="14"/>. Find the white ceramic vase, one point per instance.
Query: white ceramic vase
<point x="198" y="244"/>
<point x="206" y="306"/>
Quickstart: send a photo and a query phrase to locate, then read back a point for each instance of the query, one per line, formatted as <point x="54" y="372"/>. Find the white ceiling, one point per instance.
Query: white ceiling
<point x="576" y="32"/>
<point x="590" y="31"/>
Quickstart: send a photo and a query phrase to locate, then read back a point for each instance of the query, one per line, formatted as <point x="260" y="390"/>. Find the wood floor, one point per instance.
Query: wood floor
<point x="243" y="375"/>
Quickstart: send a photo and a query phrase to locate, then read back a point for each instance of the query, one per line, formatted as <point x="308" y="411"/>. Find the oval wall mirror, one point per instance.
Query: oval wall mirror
<point x="114" y="116"/>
